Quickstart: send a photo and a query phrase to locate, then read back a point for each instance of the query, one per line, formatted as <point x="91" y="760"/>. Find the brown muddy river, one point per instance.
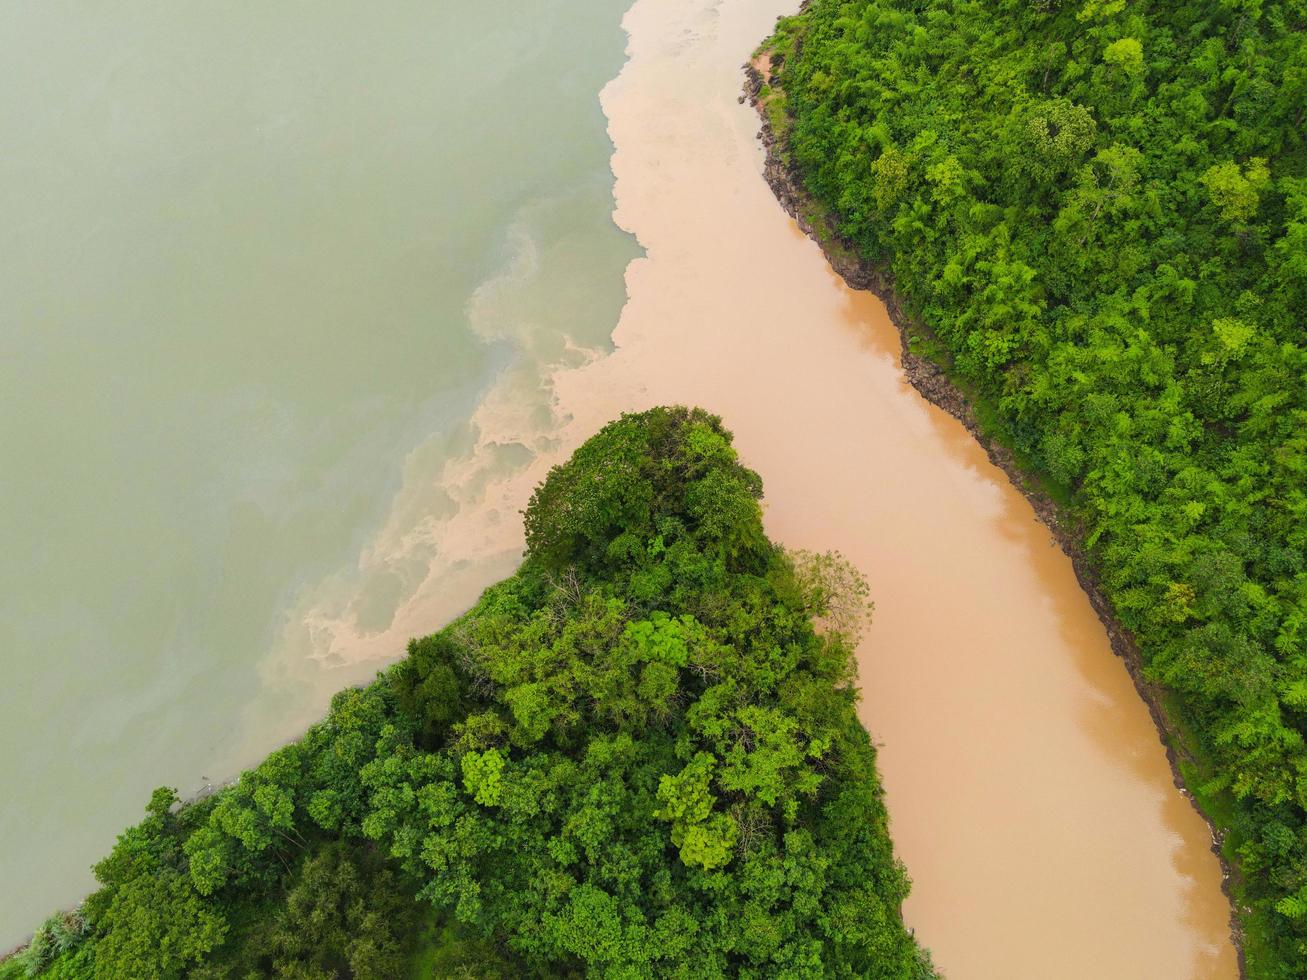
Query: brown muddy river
<point x="1030" y="796"/>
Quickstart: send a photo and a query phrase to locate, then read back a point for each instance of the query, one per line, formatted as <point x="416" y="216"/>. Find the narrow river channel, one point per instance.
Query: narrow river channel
<point x="1030" y="796"/>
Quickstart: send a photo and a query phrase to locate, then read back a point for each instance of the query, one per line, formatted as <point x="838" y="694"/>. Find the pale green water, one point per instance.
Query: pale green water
<point x="259" y="264"/>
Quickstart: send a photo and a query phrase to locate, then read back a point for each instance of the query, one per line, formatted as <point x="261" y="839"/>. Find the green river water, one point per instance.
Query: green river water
<point x="260" y="265"/>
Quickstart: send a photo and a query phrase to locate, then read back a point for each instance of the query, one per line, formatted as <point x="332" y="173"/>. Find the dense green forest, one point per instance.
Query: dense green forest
<point x="638" y="756"/>
<point x="1096" y="215"/>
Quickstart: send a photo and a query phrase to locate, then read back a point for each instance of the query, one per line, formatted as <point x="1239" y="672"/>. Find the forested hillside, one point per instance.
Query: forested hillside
<point x="1096" y="213"/>
<point x="635" y="757"/>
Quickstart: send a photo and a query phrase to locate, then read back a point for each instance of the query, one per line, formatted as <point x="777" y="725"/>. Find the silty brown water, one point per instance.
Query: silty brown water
<point x="1030" y="796"/>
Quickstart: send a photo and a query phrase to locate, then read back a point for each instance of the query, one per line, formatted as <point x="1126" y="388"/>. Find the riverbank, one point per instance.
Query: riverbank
<point x="936" y="385"/>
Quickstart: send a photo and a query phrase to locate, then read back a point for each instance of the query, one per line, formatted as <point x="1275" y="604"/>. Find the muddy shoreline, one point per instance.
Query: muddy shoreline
<point x="934" y="384"/>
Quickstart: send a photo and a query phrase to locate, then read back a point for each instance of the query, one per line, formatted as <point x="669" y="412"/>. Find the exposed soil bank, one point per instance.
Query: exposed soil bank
<point x="935" y="386"/>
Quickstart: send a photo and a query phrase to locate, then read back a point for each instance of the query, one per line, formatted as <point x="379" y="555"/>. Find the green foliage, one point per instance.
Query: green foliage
<point x="1236" y="192"/>
<point x="344" y="914"/>
<point x="155" y="926"/>
<point x="60" y="934"/>
<point x="635" y="757"/>
<point x="706" y="839"/>
<point x="1099" y="213"/>
<point x="482" y="776"/>
<point x="666" y="468"/>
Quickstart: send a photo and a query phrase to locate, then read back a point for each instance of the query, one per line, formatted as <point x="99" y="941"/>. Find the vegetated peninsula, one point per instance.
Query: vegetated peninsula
<point x="1093" y="217"/>
<point x="638" y="756"/>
